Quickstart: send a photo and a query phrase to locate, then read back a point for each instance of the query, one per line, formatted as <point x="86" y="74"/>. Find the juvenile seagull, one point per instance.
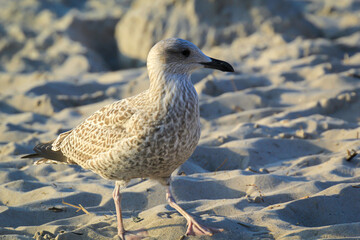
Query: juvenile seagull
<point x="145" y="136"/>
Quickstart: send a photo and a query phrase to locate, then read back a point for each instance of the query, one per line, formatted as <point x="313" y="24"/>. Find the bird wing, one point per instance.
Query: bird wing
<point x="97" y="134"/>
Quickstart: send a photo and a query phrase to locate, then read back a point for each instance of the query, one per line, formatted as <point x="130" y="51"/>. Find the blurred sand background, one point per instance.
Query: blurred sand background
<point x="277" y="156"/>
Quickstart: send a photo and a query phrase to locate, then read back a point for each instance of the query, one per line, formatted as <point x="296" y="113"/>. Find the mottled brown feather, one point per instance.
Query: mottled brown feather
<point x="148" y="135"/>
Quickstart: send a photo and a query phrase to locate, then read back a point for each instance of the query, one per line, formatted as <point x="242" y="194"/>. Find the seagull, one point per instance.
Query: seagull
<point x="144" y="136"/>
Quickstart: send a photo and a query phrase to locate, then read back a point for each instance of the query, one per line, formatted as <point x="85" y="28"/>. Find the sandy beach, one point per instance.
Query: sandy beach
<point x="280" y="137"/>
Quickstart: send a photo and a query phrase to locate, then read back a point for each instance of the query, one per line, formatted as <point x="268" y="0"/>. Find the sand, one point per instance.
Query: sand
<point x="277" y="158"/>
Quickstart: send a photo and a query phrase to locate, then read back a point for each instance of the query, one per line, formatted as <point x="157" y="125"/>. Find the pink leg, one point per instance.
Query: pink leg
<point x="194" y="228"/>
<point x="117" y="201"/>
<point x="124" y="235"/>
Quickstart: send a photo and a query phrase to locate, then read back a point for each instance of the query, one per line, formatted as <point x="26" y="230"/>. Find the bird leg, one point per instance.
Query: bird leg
<point x="117" y="201"/>
<point x="194" y="228"/>
<point x="124" y="235"/>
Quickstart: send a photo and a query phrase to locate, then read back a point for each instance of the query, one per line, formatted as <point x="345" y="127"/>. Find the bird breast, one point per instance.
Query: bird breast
<point x="177" y="134"/>
<point x="174" y="136"/>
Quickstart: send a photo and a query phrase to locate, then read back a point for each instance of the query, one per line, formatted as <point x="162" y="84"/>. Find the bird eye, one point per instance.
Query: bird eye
<point x="185" y="52"/>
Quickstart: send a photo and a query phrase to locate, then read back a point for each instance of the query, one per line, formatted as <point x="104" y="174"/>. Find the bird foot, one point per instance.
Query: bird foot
<point x="133" y="235"/>
<point x="196" y="229"/>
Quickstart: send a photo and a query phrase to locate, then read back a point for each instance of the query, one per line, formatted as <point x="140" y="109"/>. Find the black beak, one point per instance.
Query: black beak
<point x="219" y="65"/>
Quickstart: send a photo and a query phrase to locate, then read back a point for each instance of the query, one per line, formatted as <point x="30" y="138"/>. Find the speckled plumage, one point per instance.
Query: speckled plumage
<point x="148" y="135"/>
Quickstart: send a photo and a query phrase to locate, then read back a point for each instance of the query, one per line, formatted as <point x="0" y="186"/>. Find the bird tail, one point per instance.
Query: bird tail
<point x="33" y="155"/>
<point x="43" y="150"/>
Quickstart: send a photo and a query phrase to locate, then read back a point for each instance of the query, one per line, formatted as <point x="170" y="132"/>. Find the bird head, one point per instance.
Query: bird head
<point x="178" y="56"/>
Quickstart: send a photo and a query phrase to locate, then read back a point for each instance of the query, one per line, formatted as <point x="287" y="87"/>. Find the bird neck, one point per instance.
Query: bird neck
<point x="170" y="89"/>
